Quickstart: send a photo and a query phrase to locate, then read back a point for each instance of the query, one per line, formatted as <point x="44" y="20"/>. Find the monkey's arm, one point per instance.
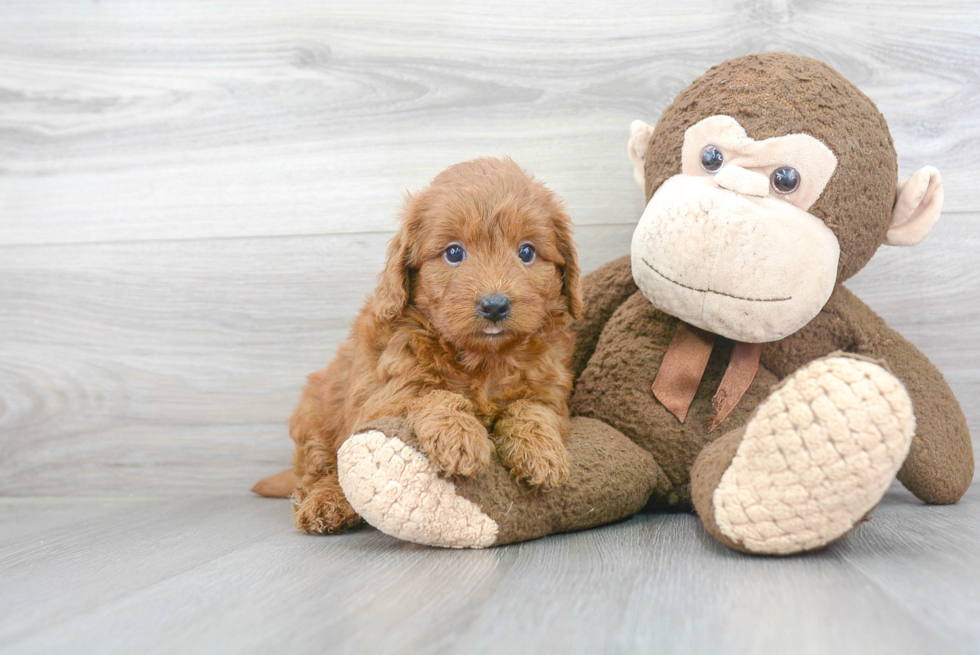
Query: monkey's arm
<point x="939" y="468"/>
<point x="603" y="290"/>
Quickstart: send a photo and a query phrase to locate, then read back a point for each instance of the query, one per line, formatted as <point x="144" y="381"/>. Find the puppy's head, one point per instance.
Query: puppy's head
<point x="485" y="253"/>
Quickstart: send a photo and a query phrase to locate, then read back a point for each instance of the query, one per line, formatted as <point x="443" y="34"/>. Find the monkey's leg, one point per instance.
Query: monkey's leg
<point x="394" y="486"/>
<point x="811" y="463"/>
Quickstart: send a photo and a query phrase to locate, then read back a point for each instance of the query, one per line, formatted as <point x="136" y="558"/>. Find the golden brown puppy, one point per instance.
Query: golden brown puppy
<point x="466" y="337"/>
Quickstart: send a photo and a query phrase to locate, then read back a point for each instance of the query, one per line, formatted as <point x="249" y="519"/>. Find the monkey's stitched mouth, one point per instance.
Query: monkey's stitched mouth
<point x="720" y="293"/>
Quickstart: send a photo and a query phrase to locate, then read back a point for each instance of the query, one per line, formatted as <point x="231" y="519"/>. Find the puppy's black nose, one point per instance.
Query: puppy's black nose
<point x="495" y="307"/>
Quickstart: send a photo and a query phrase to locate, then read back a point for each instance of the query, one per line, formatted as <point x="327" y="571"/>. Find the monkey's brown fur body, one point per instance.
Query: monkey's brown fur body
<point x="418" y="351"/>
<point x="630" y="343"/>
<point x="829" y="402"/>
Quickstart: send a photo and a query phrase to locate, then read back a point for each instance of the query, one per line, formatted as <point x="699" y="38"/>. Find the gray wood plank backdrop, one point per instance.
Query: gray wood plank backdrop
<point x="195" y="196"/>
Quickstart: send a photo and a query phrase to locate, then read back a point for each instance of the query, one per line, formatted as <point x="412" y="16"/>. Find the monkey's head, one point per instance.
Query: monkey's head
<point x="769" y="180"/>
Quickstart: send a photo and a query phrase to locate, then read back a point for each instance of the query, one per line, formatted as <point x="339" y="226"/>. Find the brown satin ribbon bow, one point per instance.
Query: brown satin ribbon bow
<point x="683" y="366"/>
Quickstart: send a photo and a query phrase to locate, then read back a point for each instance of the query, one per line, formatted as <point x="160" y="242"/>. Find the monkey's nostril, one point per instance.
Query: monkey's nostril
<point x="495" y="307"/>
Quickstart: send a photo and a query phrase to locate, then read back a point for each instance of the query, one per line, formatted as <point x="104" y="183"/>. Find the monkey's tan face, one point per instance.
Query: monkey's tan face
<point x="728" y="245"/>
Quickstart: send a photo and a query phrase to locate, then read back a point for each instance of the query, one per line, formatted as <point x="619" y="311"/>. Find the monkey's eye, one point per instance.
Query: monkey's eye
<point x="711" y="159"/>
<point x="454" y="254"/>
<point x="785" y="179"/>
<point x="526" y="253"/>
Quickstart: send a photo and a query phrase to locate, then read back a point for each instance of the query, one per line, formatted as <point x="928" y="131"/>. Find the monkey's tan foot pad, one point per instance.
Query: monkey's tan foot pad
<point x="816" y="458"/>
<point x="394" y="487"/>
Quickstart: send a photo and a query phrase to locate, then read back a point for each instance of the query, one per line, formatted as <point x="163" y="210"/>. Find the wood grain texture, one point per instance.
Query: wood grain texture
<point x="194" y="199"/>
<point x="171" y="366"/>
<point x="231" y="575"/>
<point x="220" y="118"/>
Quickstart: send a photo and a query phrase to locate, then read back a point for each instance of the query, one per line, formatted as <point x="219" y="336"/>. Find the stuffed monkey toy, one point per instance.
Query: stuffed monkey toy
<point x="722" y="366"/>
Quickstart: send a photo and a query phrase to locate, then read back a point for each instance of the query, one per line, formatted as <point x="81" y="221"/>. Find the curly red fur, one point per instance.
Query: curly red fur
<point x="419" y="350"/>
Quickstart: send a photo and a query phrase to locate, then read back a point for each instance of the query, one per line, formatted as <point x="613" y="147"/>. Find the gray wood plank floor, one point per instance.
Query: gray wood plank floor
<point x="194" y="201"/>
<point x="221" y="574"/>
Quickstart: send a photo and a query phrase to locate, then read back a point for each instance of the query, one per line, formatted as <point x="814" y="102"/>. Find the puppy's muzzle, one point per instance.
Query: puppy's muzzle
<point x="494" y="308"/>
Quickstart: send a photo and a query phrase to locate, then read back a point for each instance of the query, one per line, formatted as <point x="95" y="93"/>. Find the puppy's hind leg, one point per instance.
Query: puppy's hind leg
<point x="319" y="504"/>
<point x="320" y="507"/>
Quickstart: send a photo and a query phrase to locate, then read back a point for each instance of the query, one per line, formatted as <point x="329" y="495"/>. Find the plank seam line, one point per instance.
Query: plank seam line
<point x="252" y="237"/>
<point x="909" y="611"/>
<point x="245" y="237"/>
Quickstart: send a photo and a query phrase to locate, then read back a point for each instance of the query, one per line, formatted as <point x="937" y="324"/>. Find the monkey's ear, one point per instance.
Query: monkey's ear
<point x="640" y="134"/>
<point x="391" y="294"/>
<point x="918" y="202"/>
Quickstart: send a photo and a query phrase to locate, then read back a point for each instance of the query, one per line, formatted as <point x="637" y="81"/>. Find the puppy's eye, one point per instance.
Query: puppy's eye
<point x="785" y="180"/>
<point x="455" y="254"/>
<point x="711" y="159"/>
<point x="526" y="253"/>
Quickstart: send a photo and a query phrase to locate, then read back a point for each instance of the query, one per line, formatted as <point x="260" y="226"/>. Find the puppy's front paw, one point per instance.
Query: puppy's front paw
<point x="458" y="445"/>
<point x="449" y="434"/>
<point x="533" y="451"/>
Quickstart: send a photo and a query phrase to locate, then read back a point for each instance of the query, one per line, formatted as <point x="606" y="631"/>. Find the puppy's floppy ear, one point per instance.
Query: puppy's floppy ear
<point x="571" y="287"/>
<point x="392" y="294"/>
